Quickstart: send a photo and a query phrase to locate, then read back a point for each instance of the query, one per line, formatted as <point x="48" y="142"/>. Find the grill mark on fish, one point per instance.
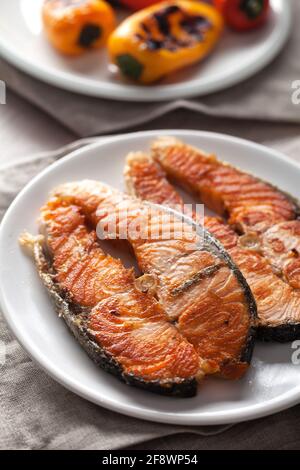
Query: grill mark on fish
<point x="175" y="261"/>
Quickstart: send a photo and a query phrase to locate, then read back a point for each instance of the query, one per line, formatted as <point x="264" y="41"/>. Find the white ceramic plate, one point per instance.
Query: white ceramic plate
<point x="272" y="383"/>
<point x="237" y="57"/>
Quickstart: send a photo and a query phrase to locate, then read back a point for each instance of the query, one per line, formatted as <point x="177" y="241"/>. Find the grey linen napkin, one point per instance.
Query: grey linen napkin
<point x="38" y="413"/>
<point x="266" y="96"/>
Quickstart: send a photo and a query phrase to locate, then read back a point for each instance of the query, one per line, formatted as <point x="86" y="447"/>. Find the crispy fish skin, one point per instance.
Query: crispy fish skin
<point x="260" y="258"/>
<point x="123" y="330"/>
<point x="190" y="281"/>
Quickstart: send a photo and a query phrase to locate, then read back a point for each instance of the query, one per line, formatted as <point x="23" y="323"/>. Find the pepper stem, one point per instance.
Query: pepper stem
<point x="252" y="8"/>
<point x="129" y="66"/>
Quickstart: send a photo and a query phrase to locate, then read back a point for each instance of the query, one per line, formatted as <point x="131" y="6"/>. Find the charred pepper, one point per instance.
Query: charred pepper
<point x="163" y="38"/>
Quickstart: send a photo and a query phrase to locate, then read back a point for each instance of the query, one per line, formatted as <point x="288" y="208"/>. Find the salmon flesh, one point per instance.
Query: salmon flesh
<point x="195" y="281"/>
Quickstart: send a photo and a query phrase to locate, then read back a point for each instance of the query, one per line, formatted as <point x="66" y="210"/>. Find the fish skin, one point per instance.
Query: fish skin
<point x="180" y="269"/>
<point x="112" y="319"/>
<point x="258" y="260"/>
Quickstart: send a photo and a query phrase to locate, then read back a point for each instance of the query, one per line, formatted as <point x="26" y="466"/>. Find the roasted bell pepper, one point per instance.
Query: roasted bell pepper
<point x="74" y="26"/>
<point x="163" y="38"/>
<point x="243" y="15"/>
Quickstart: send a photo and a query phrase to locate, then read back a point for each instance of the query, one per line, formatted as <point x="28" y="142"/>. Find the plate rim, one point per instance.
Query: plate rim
<point x="160" y="93"/>
<point x="272" y="406"/>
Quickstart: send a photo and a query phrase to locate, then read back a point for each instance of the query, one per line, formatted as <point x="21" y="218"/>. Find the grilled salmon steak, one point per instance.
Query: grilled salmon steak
<point x="248" y="203"/>
<point x="124" y="330"/>
<point x="268" y="260"/>
<point x="195" y="281"/>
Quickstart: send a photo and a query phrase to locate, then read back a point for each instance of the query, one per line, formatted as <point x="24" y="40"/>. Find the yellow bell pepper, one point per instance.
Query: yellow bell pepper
<point x="74" y="26"/>
<point x="163" y="38"/>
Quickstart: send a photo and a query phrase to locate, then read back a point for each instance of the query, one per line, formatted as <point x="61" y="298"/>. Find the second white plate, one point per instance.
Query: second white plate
<point x="237" y="57"/>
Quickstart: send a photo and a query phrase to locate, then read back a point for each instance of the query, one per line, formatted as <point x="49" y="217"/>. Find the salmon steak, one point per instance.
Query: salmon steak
<point x="196" y="283"/>
<point x="248" y="203"/>
<point x="264" y="247"/>
<point x="124" y="330"/>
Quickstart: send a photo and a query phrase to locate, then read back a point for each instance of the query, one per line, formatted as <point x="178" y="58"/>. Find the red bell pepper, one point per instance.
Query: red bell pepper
<point x="243" y="15"/>
<point x="137" y="4"/>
